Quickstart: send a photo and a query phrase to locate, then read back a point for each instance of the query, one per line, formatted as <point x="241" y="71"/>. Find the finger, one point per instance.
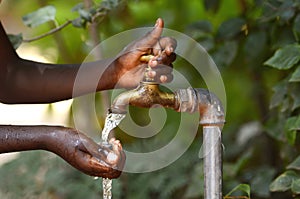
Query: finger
<point x="163" y="78"/>
<point x="162" y="73"/>
<point x="163" y="58"/>
<point x="162" y="69"/>
<point x="166" y="59"/>
<point x="117" y="148"/>
<point x="97" y="151"/>
<point x="114" y="156"/>
<point x="166" y="78"/>
<point x="91" y="165"/>
<point x="153" y="62"/>
<point x="94" y="168"/>
<point x="122" y="161"/>
<point x="166" y="44"/>
<point x="151" y="74"/>
<point x="159" y="71"/>
<point x="151" y="38"/>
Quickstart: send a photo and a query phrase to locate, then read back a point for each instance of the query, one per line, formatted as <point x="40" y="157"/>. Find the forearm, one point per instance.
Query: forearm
<point x="22" y="138"/>
<point x="33" y="82"/>
<point x="57" y="139"/>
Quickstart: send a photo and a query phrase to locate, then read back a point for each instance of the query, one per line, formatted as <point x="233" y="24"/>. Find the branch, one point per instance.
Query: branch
<point x="48" y="33"/>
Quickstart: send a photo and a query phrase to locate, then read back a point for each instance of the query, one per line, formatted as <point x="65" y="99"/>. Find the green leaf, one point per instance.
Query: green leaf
<point x="294" y="92"/>
<point x="285" y="58"/>
<point x="262" y="177"/>
<point x="241" y="187"/>
<point x="296" y="75"/>
<point x="295" y="164"/>
<point x="283" y="182"/>
<point x="78" y="7"/>
<point x="291" y="137"/>
<point x="293" y="123"/>
<point x="78" y="23"/>
<point x="207" y="43"/>
<point x="203" y="26"/>
<point x="296" y="186"/>
<point x="15" y="40"/>
<point x="85" y="15"/>
<point x="282" y="11"/>
<point x="280" y="91"/>
<point x="110" y="4"/>
<point x="230" y="28"/>
<point x="286" y="10"/>
<point x="281" y="37"/>
<point x="255" y="45"/>
<point x="225" y="53"/>
<point x="42" y="15"/>
<point x="296" y="27"/>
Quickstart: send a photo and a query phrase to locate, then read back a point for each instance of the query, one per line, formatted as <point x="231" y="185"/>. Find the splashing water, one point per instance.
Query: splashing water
<point x="112" y="120"/>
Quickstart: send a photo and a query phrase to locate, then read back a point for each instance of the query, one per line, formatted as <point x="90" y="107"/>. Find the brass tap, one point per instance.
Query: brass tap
<point x="148" y="94"/>
<point x="146" y="78"/>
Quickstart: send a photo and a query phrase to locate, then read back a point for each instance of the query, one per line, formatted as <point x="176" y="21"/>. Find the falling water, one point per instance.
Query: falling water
<point x="112" y="120"/>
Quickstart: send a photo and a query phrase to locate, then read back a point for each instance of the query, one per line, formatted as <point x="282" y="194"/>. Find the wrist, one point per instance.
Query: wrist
<point x="109" y="77"/>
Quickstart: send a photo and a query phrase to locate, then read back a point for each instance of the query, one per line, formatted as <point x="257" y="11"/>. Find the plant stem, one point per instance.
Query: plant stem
<point x="48" y="33"/>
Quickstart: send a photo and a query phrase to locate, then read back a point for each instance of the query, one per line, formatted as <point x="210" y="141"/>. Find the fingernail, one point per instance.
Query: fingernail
<point x="152" y="63"/>
<point x="156" y="23"/>
<point x="163" y="78"/>
<point x="170" y="49"/>
<point x="152" y="74"/>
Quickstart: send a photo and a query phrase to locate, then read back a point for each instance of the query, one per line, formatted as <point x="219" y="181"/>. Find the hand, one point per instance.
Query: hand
<point x="129" y="67"/>
<point x="84" y="154"/>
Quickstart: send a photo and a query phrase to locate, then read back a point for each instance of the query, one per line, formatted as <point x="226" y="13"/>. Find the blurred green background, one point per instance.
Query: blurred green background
<point x="254" y="43"/>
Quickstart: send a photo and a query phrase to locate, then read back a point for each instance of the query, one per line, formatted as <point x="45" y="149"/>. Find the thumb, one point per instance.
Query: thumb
<point x="153" y="36"/>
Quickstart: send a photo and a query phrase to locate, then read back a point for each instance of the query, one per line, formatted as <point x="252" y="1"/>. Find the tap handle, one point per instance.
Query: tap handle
<point x="147" y="58"/>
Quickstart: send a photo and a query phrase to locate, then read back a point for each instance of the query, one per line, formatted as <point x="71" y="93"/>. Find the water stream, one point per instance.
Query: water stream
<point x="112" y="120"/>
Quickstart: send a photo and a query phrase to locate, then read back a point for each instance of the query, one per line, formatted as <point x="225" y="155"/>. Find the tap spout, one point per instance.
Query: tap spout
<point x="146" y="95"/>
<point x="191" y="100"/>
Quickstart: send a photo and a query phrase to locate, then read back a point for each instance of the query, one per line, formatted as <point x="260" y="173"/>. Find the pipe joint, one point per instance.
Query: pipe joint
<point x="208" y="104"/>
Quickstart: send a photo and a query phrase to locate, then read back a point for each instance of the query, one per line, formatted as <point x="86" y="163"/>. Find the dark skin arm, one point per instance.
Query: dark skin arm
<point x="74" y="147"/>
<point x="25" y="81"/>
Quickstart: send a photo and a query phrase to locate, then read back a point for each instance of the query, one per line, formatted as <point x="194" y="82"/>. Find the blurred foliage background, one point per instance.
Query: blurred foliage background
<point x="255" y="44"/>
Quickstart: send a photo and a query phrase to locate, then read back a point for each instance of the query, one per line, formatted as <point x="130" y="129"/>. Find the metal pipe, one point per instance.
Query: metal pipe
<point x="212" y="118"/>
<point x="212" y="162"/>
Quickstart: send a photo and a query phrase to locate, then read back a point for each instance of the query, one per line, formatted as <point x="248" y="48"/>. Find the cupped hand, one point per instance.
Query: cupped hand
<point x="131" y="68"/>
<point x="102" y="160"/>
